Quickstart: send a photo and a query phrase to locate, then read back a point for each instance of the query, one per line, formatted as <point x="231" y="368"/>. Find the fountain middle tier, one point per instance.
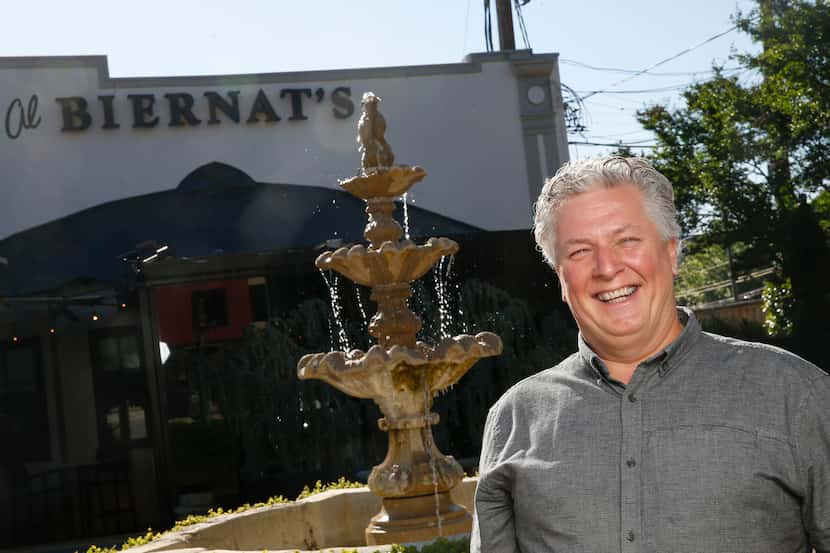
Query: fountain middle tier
<point x="391" y="263"/>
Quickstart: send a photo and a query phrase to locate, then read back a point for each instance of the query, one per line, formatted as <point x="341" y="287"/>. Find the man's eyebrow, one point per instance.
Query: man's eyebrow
<point x="619" y="230"/>
<point x="577" y="241"/>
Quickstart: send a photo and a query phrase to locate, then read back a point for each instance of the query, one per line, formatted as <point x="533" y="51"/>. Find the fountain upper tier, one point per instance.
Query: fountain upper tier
<point x="383" y="182"/>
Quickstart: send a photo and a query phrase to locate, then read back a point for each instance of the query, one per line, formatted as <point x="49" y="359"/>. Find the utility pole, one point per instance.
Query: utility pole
<point x="504" y="14"/>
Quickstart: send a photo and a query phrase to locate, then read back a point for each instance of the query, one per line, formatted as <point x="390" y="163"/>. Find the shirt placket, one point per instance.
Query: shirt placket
<point x="631" y="405"/>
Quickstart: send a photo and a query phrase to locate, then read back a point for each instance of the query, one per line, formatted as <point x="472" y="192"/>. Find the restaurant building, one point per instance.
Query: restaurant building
<point x="146" y="223"/>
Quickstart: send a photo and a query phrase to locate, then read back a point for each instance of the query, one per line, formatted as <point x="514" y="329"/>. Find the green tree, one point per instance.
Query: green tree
<point x="822" y="207"/>
<point x="748" y="152"/>
<point x="699" y="276"/>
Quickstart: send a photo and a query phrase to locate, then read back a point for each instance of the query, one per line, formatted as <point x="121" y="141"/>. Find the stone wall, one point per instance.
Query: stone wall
<point x="336" y="518"/>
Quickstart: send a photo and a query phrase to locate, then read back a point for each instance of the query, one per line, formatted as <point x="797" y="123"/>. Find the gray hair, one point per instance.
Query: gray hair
<point x="576" y="177"/>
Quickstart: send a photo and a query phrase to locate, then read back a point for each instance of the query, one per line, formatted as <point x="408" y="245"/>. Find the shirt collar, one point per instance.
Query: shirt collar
<point x="665" y="360"/>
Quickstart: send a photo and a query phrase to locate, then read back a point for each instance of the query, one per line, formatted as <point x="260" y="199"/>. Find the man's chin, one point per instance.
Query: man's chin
<point x="618" y="333"/>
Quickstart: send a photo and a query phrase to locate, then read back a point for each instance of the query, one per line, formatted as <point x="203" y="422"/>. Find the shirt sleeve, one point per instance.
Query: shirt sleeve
<point x="493" y="524"/>
<point x="814" y="450"/>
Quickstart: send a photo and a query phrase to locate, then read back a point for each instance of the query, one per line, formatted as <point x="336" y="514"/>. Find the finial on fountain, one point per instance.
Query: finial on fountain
<point x="374" y="150"/>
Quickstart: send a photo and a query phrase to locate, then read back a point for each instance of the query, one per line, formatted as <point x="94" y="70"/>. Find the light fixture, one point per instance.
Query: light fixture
<point x="95" y="317"/>
<point x="164" y="352"/>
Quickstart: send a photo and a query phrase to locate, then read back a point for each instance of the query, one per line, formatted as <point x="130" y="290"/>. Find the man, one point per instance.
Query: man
<point x="654" y="436"/>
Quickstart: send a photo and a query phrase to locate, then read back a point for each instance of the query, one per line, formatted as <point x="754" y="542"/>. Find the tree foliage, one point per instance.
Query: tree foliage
<point x="697" y="273"/>
<point x="748" y="152"/>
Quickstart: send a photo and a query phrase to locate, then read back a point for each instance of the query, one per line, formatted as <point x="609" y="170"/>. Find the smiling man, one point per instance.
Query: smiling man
<point x="654" y="436"/>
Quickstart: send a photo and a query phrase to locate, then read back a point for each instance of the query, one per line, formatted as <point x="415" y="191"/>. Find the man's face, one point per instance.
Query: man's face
<point x="615" y="269"/>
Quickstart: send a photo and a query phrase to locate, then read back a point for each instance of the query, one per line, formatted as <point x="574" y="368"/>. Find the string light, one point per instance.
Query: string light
<point x="95" y="317"/>
<point x="51" y="331"/>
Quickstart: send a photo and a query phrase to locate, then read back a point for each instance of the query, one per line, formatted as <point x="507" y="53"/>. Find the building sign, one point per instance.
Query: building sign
<point x="179" y="109"/>
<point x="19" y="118"/>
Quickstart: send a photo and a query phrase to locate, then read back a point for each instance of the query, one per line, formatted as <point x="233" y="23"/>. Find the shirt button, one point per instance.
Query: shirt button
<point x="630" y="535"/>
<point x="632" y="398"/>
<point x="631" y="462"/>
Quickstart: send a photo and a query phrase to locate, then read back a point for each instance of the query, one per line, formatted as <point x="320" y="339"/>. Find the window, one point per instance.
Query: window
<point x="258" y="294"/>
<point x="23" y="419"/>
<point x="210" y="308"/>
<point x="120" y="387"/>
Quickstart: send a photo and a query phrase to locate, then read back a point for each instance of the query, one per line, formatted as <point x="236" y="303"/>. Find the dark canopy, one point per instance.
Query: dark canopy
<point x="215" y="210"/>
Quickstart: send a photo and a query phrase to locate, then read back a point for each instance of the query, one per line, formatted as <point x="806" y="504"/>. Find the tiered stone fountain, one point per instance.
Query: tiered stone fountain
<point x="401" y="374"/>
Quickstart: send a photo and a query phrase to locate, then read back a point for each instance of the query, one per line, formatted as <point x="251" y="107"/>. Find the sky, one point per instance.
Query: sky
<point x="202" y="37"/>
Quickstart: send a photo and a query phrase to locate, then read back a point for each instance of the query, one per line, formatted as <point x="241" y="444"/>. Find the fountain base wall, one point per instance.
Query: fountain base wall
<point x="332" y="519"/>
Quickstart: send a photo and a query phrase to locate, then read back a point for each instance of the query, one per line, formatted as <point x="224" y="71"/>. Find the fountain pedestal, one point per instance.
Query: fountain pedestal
<point x="414" y="481"/>
<point x="402" y="375"/>
<point x="413" y="519"/>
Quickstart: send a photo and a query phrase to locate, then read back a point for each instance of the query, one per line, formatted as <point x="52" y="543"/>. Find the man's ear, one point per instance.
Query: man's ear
<point x="562" y="288"/>
<point x="673" y="247"/>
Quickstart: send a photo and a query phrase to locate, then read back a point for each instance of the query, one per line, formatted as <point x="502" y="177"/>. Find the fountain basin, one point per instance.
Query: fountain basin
<point x="327" y="521"/>
<point x="374" y="373"/>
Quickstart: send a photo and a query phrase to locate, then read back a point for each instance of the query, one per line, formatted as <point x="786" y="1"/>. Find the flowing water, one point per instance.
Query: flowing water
<point x="455" y="287"/>
<point x="405" y="217"/>
<point x="342" y="341"/>
<point x="440" y="275"/>
<point x="360" y="306"/>
<point x="429" y="448"/>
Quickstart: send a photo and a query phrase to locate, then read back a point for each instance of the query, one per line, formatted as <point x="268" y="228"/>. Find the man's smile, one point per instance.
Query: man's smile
<point x="618" y="295"/>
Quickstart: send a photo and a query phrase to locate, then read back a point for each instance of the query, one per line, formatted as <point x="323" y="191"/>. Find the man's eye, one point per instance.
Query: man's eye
<point x="578" y="253"/>
<point x="629" y="239"/>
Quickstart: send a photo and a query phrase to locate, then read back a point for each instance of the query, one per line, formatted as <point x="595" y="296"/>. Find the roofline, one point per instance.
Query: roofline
<point x="472" y="64"/>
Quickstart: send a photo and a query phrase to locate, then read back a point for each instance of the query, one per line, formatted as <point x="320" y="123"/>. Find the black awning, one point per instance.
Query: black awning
<point x="216" y="210"/>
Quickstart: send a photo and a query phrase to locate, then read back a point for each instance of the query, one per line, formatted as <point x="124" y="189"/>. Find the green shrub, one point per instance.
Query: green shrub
<point x="777" y="305"/>
<point x="319" y="487"/>
<point x="150" y="536"/>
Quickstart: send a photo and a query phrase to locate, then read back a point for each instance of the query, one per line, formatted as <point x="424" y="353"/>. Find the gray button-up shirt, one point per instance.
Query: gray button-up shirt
<point x="714" y="446"/>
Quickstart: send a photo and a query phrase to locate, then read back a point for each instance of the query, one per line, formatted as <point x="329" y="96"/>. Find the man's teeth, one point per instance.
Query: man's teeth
<point x="618" y="294"/>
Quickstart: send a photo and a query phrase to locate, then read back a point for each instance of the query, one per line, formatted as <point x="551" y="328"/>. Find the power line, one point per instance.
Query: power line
<point x="574" y="110"/>
<point x="615" y="135"/>
<point x="649" y="140"/>
<point x="521" y="19"/>
<point x="630" y="142"/>
<point x="667" y="88"/>
<point x="649" y="73"/>
<point x="488" y="27"/>
<point x="611" y="144"/>
<point x="724" y="283"/>
<point x="661" y="62"/>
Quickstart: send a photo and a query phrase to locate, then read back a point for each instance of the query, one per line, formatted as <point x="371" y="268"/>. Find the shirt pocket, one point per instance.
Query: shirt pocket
<point x="719" y="486"/>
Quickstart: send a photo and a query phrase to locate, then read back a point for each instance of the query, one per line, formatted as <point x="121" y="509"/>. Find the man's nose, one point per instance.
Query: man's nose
<point x="606" y="263"/>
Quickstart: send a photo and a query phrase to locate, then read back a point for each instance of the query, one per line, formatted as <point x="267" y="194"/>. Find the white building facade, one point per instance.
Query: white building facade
<point x="488" y="131"/>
